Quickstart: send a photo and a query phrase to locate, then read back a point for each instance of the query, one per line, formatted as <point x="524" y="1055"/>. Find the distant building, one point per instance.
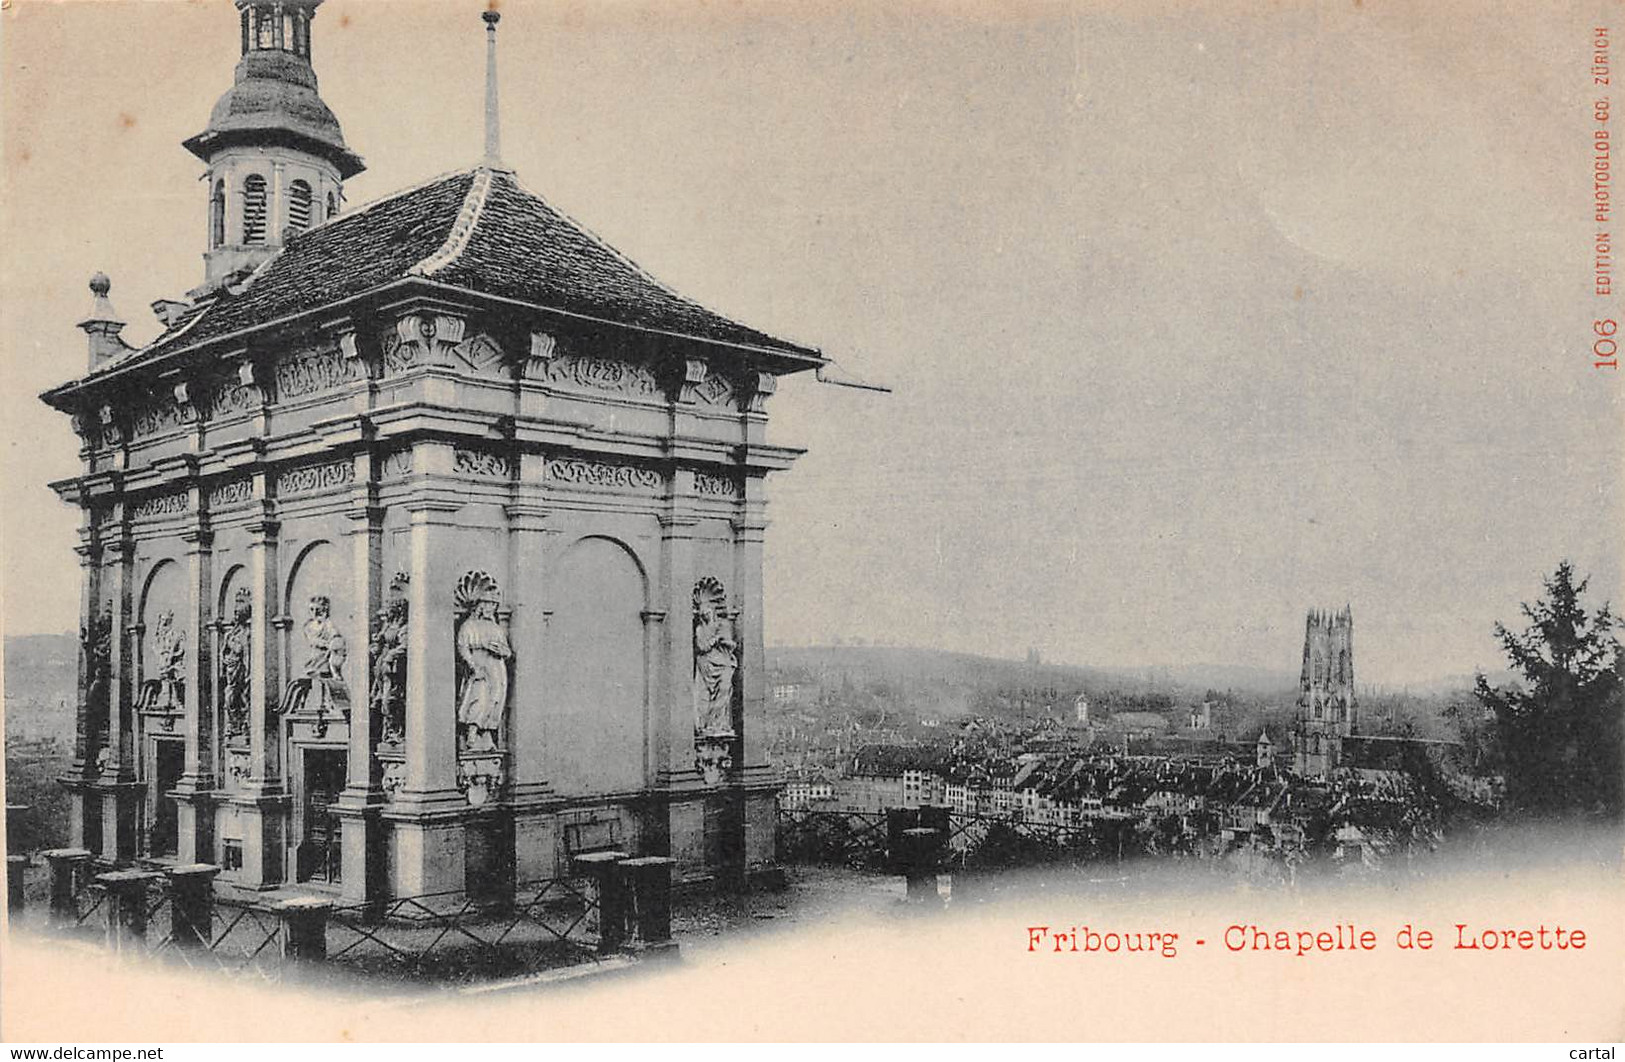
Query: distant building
<point x="1080" y="705"/>
<point x="1326" y="707"/>
<point x="1201" y="716"/>
<point x="1264" y="750"/>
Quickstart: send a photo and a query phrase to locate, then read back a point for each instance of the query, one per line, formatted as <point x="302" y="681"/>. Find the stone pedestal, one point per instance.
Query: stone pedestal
<point x="610" y="887"/>
<point x="121" y="803"/>
<point x="127" y="906"/>
<point x="263" y="820"/>
<point x="686" y="814"/>
<point x="66" y="867"/>
<point x="649" y="878"/>
<point x="429" y="854"/>
<point x="194" y="814"/>
<point x="304" y="929"/>
<point x="16" y="878"/>
<point x="536" y="846"/>
<point x="192" y="904"/>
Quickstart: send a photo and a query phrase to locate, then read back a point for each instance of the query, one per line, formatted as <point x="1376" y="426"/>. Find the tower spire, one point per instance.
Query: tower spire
<point x="493" y="125"/>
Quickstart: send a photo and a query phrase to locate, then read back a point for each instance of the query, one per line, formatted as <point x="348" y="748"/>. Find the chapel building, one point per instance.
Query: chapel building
<point x="422" y="551"/>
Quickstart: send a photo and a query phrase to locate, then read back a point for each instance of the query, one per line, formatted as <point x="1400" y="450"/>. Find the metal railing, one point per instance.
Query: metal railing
<point x="449" y="935"/>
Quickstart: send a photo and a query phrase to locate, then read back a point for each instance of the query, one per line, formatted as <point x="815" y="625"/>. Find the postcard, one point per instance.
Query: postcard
<point x="829" y="521"/>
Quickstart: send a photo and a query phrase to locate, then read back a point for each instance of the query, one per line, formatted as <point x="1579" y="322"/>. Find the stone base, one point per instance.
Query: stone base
<point x="427" y="857"/>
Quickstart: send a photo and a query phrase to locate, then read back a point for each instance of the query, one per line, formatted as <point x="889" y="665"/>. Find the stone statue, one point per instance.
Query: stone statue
<point x="716" y="658"/>
<point x="322" y="672"/>
<point x="166" y="688"/>
<point x="235" y="643"/>
<point x="484" y="652"/>
<point x="96" y="643"/>
<point x="389" y="665"/>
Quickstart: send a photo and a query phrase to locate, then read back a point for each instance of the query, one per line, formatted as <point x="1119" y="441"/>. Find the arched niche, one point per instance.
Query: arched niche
<point x="163" y="592"/>
<point x="596" y="677"/>
<point x="235" y="579"/>
<point x="318" y="571"/>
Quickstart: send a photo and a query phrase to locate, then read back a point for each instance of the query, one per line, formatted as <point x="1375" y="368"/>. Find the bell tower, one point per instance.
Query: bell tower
<point x="1326" y="706"/>
<point x="276" y="156"/>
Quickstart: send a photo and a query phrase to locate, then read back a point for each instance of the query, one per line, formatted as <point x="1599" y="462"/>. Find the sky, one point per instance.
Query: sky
<point x="1196" y="316"/>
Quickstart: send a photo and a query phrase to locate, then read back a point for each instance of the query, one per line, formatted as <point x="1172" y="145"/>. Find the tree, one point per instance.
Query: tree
<point x="1560" y="734"/>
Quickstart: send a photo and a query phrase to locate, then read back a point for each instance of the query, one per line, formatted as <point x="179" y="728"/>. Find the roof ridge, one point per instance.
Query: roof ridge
<point x="462" y="229"/>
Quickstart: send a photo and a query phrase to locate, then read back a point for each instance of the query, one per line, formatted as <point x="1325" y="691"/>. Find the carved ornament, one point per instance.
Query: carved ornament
<point x="594" y="474"/>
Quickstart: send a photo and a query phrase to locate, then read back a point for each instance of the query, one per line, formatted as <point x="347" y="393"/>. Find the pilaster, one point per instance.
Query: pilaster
<point x="427" y="810"/>
<point x="194" y="812"/>
<point x="362" y="800"/>
<point x="263" y="802"/>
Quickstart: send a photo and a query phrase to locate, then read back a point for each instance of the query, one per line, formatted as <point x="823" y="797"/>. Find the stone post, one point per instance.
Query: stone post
<point x="16" y="879"/>
<point x="650" y="881"/>
<point x="920" y="858"/>
<point x="66" y="866"/>
<point x="609" y="885"/>
<point x="304" y="929"/>
<point x="191" y="910"/>
<point x="127" y="905"/>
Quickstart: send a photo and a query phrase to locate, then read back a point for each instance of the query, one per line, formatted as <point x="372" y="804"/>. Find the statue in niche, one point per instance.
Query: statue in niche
<point x="389" y="665"/>
<point x="322" y="672"/>
<point x="234" y="680"/>
<point x="96" y="643"/>
<point x="484" y="653"/>
<point x="166" y="689"/>
<point x="716" y="660"/>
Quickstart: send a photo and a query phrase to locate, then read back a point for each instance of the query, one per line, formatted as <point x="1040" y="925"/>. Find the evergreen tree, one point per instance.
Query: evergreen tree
<point x="1560" y="734"/>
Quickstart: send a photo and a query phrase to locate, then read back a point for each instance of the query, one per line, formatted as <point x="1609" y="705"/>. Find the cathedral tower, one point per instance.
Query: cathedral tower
<point x="1326" y="709"/>
<point x="276" y="157"/>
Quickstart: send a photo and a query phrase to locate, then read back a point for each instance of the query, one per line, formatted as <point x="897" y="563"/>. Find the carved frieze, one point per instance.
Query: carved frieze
<point x="230" y="396"/>
<point x="421" y="339"/>
<point x="716" y="390"/>
<point x="231" y="492"/>
<point x="310" y="478"/>
<point x="603" y="374"/>
<point x="111" y="429"/>
<point x="713" y="486"/>
<point x="482" y="355"/>
<point x="155" y="416"/>
<point x="481" y="463"/>
<point x="162" y="505"/>
<point x="315" y="371"/>
<point x="394" y="776"/>
<point x="397" y="463"/>
<point x="595" y="474"/>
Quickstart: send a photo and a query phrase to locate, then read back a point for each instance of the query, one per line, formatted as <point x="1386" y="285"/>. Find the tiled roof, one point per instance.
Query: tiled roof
<point x="478" y="230"/>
